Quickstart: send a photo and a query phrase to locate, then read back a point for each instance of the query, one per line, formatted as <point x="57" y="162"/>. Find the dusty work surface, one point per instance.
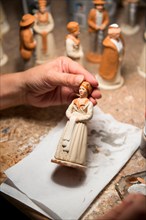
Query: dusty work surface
<point x="21" y="128"/>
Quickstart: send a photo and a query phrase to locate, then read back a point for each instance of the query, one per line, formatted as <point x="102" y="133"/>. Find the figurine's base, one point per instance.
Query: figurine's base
<point x="109" y="85"/>
<point x="128" y="30"/>
<point x="141" y="73"/>
<point x="3" y="60"/>
<point x="93" y="57"/>
<point x="68" y="164"/>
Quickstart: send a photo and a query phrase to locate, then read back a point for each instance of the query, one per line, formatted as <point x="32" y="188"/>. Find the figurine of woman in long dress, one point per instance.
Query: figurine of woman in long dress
<point x="43" y="26"/>
<point x="72" y="147"/>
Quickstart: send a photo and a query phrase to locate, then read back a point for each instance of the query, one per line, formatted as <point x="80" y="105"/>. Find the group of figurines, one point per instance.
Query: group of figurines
<point x="106" y="48"/>
<point x="106" y="43"/>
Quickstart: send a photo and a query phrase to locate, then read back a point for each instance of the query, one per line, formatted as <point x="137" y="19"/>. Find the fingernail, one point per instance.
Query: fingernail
<point x="79" y="79"/>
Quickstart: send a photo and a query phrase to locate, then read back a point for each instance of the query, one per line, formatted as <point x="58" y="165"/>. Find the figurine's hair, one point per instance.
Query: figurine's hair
<point x="72" y="26"/>
<point x="87" y="86"/>
<point x="98" y="2"/>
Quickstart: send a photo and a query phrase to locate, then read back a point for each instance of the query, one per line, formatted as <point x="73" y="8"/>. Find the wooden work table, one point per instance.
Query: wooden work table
<point x="21" y="128"/>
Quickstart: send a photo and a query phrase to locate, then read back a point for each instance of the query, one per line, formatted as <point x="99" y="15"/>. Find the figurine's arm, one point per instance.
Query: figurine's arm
<point x="105" y="20"/>
<point x="71" y="51"/>
<point x="91" y="20"/>
<point x="48" y="28"/>
<point x="25" y="37"/>
<point x="69" y="110"/>
<point x="51" y="22"/>
<point x="88" y="115"/>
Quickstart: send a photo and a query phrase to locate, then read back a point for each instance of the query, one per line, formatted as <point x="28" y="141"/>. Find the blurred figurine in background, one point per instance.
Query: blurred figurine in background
<point x="109" y="76"/>
<point x="43" y="26"/>
<point x="130" y="8"/>
<point x="4" y="28"/>
<point x="72" y="147"/>
<point x="111" y="7"/>
<point x="73" y="46"/>
<point x="98" y="20"/>
<point x="142" y="62"/>
<point x="27" y="42"/>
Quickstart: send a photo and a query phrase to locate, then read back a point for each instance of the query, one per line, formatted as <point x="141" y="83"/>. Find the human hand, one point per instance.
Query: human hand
<point x="132" y="208"/>
<point x="56" y="82"/>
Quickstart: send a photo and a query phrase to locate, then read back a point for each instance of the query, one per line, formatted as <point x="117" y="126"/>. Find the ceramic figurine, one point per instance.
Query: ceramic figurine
<point x="98" y="19"/>
<point x="43" y="27"/>
<point x="27" y="42"/>
<point x="142" y="62"/>
<point x="109" y="75"/>
<point x="72" y="146"/>
<point x="130" y="27"/>
<point x="73" y="46"/>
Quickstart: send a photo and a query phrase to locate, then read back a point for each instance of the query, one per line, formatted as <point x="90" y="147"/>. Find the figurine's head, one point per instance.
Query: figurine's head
<point x="27" y="20"/>
<point x="85" y="89"/>
<point x="114" y="31"/>
<point x="42" y="5"/>
<point x="99" y="4"/>
<point x="73" y="27"/>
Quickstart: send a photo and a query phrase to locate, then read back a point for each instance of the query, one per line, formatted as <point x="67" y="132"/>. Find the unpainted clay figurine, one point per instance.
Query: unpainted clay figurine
<point x="27" y="42"/>
<point x="130" y="26"/>
<point x="98" y="19"/>
<point x="109" y="75"/>
<point x="43" y="27"/>
<point x="142" y="62"/>
<point x="73" y="46"/>
<point x="72" y="147"/>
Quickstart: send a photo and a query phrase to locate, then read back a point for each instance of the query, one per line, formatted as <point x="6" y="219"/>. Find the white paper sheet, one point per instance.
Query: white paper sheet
<point x="63" y="192"/>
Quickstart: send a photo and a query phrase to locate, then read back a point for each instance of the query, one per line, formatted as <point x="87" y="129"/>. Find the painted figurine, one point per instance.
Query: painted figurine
<point x="109" y="76"/>
<point x="142" y="62"/>
<point x="73" y="46"/>
<point x="130" y="26"/>
<point x="72" y="147"/>
<point x="27" y="42"/>
<point x="98" y="19"/>
<point x="43" y="26"/>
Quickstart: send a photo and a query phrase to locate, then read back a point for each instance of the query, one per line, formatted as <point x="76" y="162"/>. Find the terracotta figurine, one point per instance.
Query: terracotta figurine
<point x="72" y="147"/>
<point x="109" y="76"/>
<point x="130" y="26"/>
<point x="43" y="27"/>
<point x="27" y="42"/>
<point x="73" y="46"/>
<point x="98" y="20"/>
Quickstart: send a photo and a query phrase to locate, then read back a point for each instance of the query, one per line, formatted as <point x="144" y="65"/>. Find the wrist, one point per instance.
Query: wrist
<point x="11" y="90"/>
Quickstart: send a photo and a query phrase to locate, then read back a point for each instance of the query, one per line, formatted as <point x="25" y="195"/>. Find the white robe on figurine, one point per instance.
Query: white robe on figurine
<point x="74" y="51"/>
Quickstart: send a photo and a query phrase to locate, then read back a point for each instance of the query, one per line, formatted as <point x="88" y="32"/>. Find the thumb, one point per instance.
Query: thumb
<point x="67" y="79"/>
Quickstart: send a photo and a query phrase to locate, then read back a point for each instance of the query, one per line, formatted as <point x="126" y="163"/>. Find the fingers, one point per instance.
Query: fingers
<point x="73" y="67"/>
<point x="65" y="79"/>
<point x="133" y="207"/>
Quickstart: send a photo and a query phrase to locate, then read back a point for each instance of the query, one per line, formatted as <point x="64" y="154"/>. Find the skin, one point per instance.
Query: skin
<point x="53" y="83"/>
<point x="133" y="207"/>
<point x="114" y="33"/>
